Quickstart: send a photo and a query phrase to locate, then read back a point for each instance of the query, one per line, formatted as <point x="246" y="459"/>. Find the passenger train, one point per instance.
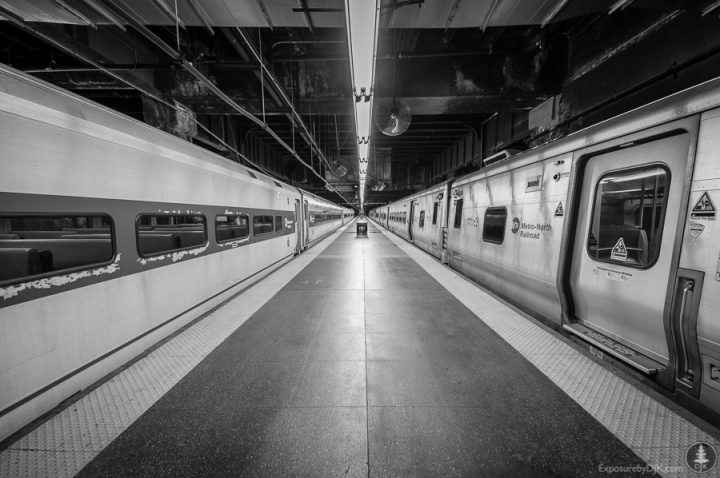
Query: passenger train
<point x="113" y="235"/>
<point x="609" y="234"/>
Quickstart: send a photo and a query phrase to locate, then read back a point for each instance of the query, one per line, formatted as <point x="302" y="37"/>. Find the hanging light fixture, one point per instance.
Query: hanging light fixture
<point x="361" y="18"/>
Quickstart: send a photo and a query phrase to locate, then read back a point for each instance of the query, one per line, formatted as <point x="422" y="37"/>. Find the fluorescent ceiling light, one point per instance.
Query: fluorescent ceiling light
<point x="362" y="120"/>
<point x="361" y="17"/>
<point x="361" y="20"/>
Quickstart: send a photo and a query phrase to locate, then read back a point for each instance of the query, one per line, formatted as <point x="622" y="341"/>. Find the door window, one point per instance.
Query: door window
<point x="494" y="225"/>
<point x="458" y="213"/>
<point x="628" y="214"/>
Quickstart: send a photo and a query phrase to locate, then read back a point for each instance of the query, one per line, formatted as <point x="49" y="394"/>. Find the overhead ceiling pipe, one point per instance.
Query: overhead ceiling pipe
<point x="279" y="89"/>
<point x="489" y="14"/>
<point x="202" y="15"/>
<point x="177" y="56"/>
<point x="105" y="13"/>
<point x="246" y="58"/>
<point x="553" y="12"/>
<point x="74" y="11"/>
<point x="132" y="20"/>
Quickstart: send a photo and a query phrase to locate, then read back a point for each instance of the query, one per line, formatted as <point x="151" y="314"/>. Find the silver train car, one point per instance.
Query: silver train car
<point x="609" y="234"/>
<point x="113" y="235"/>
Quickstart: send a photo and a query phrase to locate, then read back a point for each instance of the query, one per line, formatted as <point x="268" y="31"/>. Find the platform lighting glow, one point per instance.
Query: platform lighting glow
<point x="362" y="120"/>
<point x="361" y="18"/>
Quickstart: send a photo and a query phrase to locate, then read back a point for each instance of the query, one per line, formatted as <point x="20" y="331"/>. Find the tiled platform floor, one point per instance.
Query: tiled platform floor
<point x="373" y="360"/>
<point x="363" y="360"/>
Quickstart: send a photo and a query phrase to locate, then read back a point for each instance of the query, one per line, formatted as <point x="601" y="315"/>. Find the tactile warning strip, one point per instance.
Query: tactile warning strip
<point x="63" y="445"/>
<point x="657" y="434"/>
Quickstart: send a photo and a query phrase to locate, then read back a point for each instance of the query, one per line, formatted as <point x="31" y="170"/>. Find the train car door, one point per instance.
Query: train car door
<point x="298" y="227"/>
<point x="306" y="223"/>
<point x="624" y="254"/>
<point x="411" y="219"/>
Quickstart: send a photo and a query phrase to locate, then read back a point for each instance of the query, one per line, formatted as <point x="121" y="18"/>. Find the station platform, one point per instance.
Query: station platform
<point x="363" y="357"/>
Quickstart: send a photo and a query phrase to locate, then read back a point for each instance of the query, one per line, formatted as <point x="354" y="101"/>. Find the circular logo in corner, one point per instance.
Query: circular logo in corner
<point x="701" y="457"/>
<point x="516" y="225"/>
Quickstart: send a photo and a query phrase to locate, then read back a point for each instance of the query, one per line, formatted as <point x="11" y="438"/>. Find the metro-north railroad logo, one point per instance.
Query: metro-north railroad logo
<point x="515" y="225"/>
<point x="701" y="457"/>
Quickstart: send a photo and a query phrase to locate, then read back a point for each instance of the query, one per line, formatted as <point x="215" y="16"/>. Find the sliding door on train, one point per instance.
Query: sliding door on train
<point x="298" y="228"/>
<point x="624" y="259"/>
<point x="411" y="220"/>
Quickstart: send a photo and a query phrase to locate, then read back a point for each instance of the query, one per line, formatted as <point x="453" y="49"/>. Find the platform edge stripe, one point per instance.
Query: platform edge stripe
<point x="654" y="432"/>
<point x="63" y="445"/>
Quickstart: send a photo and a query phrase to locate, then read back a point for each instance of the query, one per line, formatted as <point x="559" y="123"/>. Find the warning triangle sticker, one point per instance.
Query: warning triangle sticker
<point x="703" y="208"/>
<point x="619" y="251"/>
<point x="559" y="209"/>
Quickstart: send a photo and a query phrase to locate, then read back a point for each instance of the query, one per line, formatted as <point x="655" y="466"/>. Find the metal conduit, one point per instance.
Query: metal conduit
<point x="175" y="55"/>
<point x="287" y="101"/>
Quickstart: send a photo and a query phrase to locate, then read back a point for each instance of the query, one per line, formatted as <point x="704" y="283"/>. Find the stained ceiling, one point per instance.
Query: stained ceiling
<point x="267" y="82"/>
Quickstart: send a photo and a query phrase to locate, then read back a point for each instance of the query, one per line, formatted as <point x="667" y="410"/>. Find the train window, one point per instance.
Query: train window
<point x="319" y="217"/>
<point x="422" y="219"/>
<point x="163" y="233"/>
<point x="494" y="225"/>
<point x="262" y="225"/>
<point x="278" y="223"/>
<point x="435" y="210"/>
<point x="628" y="215"/>
<point x="458" y="213"/>
<point x="31" y="245"/>
<point x="230" y="227"/>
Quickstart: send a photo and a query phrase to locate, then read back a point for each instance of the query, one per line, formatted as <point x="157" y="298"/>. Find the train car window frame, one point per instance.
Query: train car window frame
<point x="245" y="217"/>
<point x="458" y="214"/>
<point x="321" y="217"/>
<point x="435" y="211"/>
<point x="421" y="219"/>
<point x="494" y="230"/>
<point x="39" y="262"/>
<point x="278" y="223"/>
<point x="265" y="223"/>
<point x="160" y="231"/>
<point x="644" y="252"/>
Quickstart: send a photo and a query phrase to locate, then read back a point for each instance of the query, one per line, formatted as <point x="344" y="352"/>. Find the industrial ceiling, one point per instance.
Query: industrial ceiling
<point x="267" y="82"/>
